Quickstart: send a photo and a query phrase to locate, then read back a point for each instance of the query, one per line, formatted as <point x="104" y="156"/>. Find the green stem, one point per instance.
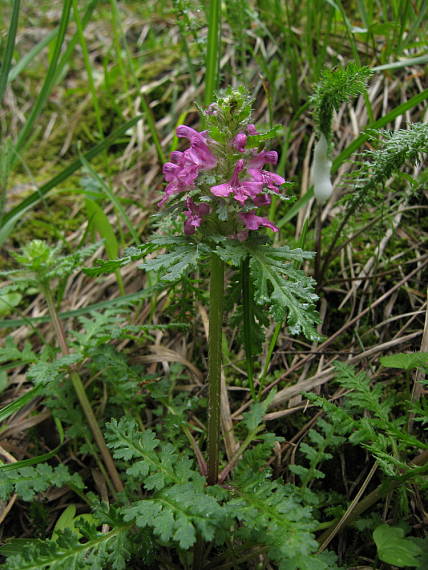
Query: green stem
<point x="214" y="366"/>
<point x="81" y="394"/>
<point x="198" y="553"/>
<point x="248" y="322"/>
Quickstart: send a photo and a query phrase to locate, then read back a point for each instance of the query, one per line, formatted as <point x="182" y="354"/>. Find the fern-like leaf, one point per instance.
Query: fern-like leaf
<point x="69" y="552"/>
<point x="26" y="482"/>
<point x="178" y="513"/>
<point x="288" y="291"/>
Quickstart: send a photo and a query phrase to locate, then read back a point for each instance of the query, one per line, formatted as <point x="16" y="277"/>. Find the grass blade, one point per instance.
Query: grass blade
<point x="38" y="458"/>
<point x="38" y="48"/>
<point x="10" y="46"/>
<point x="49" y="80"/>
<point x="11" y="217"/>
<point x="101" y="224"/>
<point x="213" y="51"/>
<point x="110" y="195"/>
<point x="88" y="68"/>
<point x="123" y="300"/>
<point x="19" y="403"/>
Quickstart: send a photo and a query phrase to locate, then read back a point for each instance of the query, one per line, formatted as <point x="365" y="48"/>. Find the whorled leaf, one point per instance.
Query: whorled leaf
<point x="287" y="290"/>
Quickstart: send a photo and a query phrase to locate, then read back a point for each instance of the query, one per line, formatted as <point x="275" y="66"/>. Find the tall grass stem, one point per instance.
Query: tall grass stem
<point x="49" y="81"/>
<point x="88" y="67"/>
<point x="213" y="50"/>
<point x="214" y="365"/>
<point x="10" y="46"/>
<point x="82" y="396"/>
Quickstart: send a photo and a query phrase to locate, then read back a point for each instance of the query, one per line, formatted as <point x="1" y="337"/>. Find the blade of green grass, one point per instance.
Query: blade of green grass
<point x="12" y="217"/>
<point x="100" y="222"/>
<point x="10" y="46"/>
<point x="74" y="41"/>
<point x="421" y="60"/>
<point x="88" y="67"/>
<point x="212" y="61"/>
<point x="49" y="79"/>
<point x="127" y="71"/>
<point x="28" y="57"/>
<point x="38" y="48"/>
<point x="38" y="458"/>
<point x="296" y="207"/>
<point x="110" y="195"/>
<point x="123" y="300"/>
<point x="19" y="403"/>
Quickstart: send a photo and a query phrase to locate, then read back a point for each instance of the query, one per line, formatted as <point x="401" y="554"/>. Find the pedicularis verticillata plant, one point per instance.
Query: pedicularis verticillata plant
<point x="218" y="186"/>
<point x="220" y="183"/>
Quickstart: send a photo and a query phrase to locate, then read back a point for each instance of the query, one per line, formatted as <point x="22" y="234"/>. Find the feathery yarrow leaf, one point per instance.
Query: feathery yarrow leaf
<point x="395" y="150"/>
<point x="335" y="88"/>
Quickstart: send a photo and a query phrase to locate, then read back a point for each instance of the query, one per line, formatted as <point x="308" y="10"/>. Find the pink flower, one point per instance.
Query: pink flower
<point x="194" y="215"/>
<point x="212" y="109"/>
<point x="262" y="199"/>
<point x="180" y="174"/>
<point x="183" y="169"/>
<point x="260" y="159"/>
<point x="240" y="141"/>
<point x="266" y="178"/>
<point x="253" y="222"/>
<point x="251" y="130"/>
<point x="241" y="190"/>
<point x="199" y="152"/>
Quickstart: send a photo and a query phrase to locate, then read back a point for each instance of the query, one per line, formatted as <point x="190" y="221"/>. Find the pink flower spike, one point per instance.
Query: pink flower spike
<point x="253" y="222"/>
<point x="194" y="216"/>
<point x="239" y="142"/>
<point x="180" y="174"/>
<point x="260" y="159"/>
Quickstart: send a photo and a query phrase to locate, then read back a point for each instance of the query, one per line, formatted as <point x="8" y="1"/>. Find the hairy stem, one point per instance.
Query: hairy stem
<point x="214" y="365"/>
<point x="82" y="396"/>
<point x="248" y="322"/>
